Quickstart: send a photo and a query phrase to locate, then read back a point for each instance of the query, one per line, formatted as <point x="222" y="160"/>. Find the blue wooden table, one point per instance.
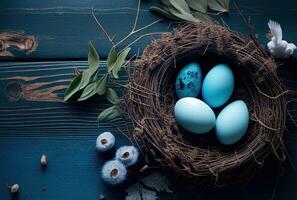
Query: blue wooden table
<point x="34" y="120"/>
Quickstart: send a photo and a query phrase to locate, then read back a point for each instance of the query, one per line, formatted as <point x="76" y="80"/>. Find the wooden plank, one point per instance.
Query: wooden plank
<point x="31" y="101"/>
<point x="35" y="120"/>
<point x="63" y="28"/>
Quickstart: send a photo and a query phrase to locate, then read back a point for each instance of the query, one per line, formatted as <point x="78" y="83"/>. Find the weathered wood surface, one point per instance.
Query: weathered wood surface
<point x="63" y="28"/>
<point x="34" y="119"/>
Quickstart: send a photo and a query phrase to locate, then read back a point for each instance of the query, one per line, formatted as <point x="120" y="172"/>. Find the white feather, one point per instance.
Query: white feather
<point x="278" y="47"/>
<point x="276" y="30"/>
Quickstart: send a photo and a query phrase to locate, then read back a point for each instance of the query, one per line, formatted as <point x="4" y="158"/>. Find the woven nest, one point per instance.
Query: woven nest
<point x="150" y="100"/>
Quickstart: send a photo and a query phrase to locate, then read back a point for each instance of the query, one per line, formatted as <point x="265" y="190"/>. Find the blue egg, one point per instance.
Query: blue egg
<point x="188" y="81"/>
<point x="232" y="122"/>
<point x="194" y="115"/>
<point x="218" y="85"/>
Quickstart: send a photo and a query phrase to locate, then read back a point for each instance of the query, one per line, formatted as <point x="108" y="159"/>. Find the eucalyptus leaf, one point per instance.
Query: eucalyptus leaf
<point x="180" y="5"/>
<point x="218" y="5"/>
<point x="101" y="85"/>
<point x="164" y="12"/>
<point x="183" y="16"/>
<point x="93" y="60"/>
<point x="93" y="57"/>
<point x="109" y="113"/>
<point x="73" y="87"/>
<point x="111" y="59"/>
<point x="112" y="96"/>
<point x="198" y="5"/>
<point x="88" y="92"/>
<point x="120" y="61"/>
<point x="177" y="10"/>
<point x="202" y="17"/>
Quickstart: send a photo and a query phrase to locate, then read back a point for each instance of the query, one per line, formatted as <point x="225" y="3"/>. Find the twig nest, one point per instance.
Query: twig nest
<point x="14" y="188"/>
<point x="114" y="172"/>
<point x="127" y="155"/>
<point x="105" y="141"/>
<point x="150" y="98"/>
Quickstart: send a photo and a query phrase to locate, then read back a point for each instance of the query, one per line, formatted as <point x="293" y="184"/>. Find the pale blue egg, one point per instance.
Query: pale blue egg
<point x="194" y="115"/>
<point x="218" y="85"/>
<point x="188" y="81"/>
<point x="232" y="122"/>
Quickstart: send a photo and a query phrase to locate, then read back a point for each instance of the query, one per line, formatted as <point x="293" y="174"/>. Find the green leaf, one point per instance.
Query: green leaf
<point x="93" y="60"/>
<point x="93" y="57"/>
<point x="109" y="113"/>
<point x="180" y="5"/>
<point x="164" y="12"/>
<point x="218" y="5"/>
<point x="101" y="85"/>
<point x="202" y="17"/>
<point x="88" y="92"/>
<point x="73" y="87"/>
<point x="180" y="10"/>
<point x="112" y="96"/>
<point x="119" y="63"/>
<point x="111" y="59"/>
<point x="198" y="5"/>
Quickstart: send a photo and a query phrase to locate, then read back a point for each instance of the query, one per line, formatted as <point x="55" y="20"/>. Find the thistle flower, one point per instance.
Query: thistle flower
<point x="105" y="141"/>
<point x="127" y="155"/>
<point x="114" y="172"/>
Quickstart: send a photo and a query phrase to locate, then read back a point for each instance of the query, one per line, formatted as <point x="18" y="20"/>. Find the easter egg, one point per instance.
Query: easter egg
<point x="194" y="115"/>
<point x="232" y="122"/>
<point x="188" y="81"/>
<point x="218" y="85"/>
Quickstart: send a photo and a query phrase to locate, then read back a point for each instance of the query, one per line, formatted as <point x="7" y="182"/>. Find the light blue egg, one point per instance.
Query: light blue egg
<point x="218" y="85"/>
<point x="188" y="81"/>
<point x="194" y="115"/>
<point x="232" y="122"/>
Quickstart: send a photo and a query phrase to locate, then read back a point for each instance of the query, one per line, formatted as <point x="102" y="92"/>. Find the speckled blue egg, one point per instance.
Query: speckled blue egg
<point x="232" y="122"/>
<point x="188" y="81"/>
<point x="194" y="115"/>
<point x="218" y="85"/>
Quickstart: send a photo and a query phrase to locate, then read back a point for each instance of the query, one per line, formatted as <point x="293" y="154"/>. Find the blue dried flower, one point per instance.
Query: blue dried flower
<point x="114" y="172"/>
<point x="105" y="141"/>
<point x="127" y="155"/>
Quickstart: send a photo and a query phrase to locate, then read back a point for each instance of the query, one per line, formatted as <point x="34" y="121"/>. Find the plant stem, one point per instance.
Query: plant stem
<point x="101" y="27"/>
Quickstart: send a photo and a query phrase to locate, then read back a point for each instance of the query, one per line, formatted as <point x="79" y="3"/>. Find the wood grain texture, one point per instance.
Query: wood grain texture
<point x="31" y="101"/>
<point x="63" y="28"/>
<point x="34" y="120"/>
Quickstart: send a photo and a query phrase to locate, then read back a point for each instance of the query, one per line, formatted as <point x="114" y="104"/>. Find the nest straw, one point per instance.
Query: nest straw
<point x="150" y="99"/>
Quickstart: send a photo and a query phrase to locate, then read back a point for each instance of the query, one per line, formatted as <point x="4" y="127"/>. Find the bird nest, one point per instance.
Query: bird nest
<point x="150" y="99"/>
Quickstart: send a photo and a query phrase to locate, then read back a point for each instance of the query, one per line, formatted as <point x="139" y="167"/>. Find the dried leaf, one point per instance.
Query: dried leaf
<point x="138" y="192"/>
<point x="112" y="96"/>
<point x="164" y="12"/>
<point x="198" y="5"/>
<point x="157" y="182"/>
<point x="218" y="5"/>
<point x="101" y="85"/>
<point x="88" y="92"/>
<point x="120" y="61"/>
<point x="73" y="87"/>
<point x="111" y="58"/>
<point x="109" y="113"/>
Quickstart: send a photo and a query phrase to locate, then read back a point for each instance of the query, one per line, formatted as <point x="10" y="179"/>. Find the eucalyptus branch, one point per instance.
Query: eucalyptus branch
<point x="142" y="36"/>
<point x="134" y="30"/>
<point x="101" y="27"/>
